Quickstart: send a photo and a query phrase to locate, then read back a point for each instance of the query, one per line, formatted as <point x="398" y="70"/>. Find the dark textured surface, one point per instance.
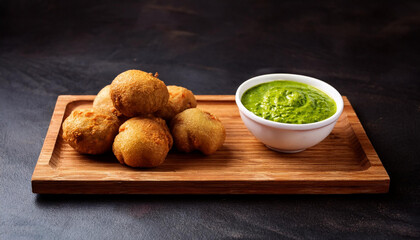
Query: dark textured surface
<point x="369" y="51"/>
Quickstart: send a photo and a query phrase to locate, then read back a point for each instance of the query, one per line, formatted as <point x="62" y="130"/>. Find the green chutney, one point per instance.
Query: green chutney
<point x="289" y="102"/>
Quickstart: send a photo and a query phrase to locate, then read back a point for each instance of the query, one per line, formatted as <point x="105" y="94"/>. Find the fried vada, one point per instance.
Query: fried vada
<point x="103" y="102"/>
<point x="142" y="142"/>
<point x="180" y="99"/>
<point x="136" y="93"/>
<point x="89" y="131"/>
<point x="195" y="129"/>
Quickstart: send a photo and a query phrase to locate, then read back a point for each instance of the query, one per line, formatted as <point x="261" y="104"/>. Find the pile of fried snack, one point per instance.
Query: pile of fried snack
<point x="131" y="116"/>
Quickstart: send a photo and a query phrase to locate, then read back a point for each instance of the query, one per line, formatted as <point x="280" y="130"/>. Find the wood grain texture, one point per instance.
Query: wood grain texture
<point x="345" y="162"/>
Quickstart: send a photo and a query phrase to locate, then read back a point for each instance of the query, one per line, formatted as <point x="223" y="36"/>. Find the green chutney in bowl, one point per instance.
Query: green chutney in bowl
<point x="289" y="102"/>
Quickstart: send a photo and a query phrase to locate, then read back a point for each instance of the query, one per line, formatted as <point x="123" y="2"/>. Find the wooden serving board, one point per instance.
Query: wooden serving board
<point x="345" y="162"/>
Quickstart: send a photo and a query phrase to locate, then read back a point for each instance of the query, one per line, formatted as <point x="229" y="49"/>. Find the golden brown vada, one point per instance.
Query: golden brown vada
<point x="89" y="131"/>
<point x="142" y="142"/>
<point x="180" y="99"/>
<point x="103" y="102"/>
<point x="135" y="93"/>
<point x="196" y="129"/>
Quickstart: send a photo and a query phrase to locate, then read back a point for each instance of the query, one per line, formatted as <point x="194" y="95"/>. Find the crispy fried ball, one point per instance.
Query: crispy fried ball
<point x="89" y="131"/>
<point x="142" y="142"/>
<point x="180" y="99"/>
<point x="135" y="93"/>
<point x="103" y="101"/>
<point x="196" y="129"/>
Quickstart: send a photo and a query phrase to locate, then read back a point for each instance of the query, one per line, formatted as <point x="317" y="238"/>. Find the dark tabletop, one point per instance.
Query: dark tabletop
<point x="368" y="50"/>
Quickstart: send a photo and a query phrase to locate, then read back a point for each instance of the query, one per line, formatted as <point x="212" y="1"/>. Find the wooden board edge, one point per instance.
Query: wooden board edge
<point x="209" y="187"/>
<point x="45" y="155"/>
<point x="366" y="144"/>
<point x="216" y="98"/>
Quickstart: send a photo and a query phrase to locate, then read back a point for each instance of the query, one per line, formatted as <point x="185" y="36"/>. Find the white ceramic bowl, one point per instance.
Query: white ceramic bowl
<point x="286" y="137"/>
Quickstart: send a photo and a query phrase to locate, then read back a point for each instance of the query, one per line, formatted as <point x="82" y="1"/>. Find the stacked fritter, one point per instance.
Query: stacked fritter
<point x="130" y="117"/>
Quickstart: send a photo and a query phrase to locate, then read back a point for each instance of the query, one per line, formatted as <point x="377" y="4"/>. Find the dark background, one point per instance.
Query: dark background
<point x="368" y="50"/>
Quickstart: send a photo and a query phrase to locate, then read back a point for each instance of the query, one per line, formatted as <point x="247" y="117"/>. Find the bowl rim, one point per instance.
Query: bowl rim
<point x="290" y="126"/>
